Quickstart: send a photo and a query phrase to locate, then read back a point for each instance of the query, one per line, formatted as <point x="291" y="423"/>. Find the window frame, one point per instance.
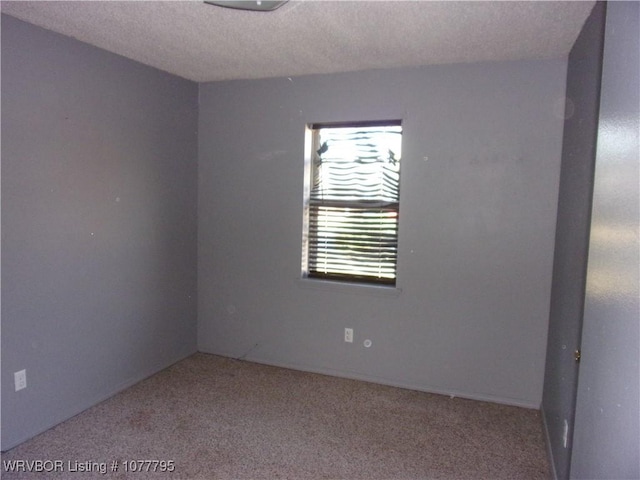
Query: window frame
<point x="311" y="142"/>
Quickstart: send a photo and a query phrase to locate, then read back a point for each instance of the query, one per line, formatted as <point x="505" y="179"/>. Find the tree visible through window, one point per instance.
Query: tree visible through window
<point x="352" y="196"/>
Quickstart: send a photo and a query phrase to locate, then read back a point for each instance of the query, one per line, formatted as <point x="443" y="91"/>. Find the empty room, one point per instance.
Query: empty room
<point x="320" y="239"/>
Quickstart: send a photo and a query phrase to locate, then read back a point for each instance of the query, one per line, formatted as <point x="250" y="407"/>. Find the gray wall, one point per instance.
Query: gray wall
<point x="572" y="237"/>
<point x="607" y="432"/>
<point x="99" y="178"/>
<point x="480" y="172"/>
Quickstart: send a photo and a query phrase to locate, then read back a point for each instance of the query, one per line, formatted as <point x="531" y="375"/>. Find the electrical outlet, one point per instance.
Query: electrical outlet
<point x="20" y="379"/>
<point x="348" y="335"/>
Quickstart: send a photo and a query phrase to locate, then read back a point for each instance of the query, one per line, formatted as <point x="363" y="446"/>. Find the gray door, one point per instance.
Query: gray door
<point x="606" y="442"/>
<point x="584" y="72"/>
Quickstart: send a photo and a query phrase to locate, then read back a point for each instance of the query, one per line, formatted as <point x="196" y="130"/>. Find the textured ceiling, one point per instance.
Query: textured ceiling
<point x="203" y="42"/>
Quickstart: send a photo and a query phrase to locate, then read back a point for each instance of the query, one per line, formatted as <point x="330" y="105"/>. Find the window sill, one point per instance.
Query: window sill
<point x="348" y="287"/>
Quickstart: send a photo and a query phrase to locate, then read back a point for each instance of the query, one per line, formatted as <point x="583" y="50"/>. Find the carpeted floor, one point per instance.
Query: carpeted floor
<point x="211" y="417"/>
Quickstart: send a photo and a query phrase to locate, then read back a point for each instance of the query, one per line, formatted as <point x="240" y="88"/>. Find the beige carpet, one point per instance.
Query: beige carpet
<point x="218" y="418"/>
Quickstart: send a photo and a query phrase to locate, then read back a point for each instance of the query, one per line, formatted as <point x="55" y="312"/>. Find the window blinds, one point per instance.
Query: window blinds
<point x="353" y="203"/>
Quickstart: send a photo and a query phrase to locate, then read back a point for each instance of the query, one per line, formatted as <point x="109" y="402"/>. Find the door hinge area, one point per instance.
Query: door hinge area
<point x="577" y="355"/>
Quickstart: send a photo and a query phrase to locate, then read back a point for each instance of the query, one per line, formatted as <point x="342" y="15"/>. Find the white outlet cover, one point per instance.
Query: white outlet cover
<point x="20" y="379"/>
<point x="348" y="335"/>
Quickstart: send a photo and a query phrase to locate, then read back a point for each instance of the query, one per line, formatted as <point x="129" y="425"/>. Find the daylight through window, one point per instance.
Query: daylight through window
<point x="352" y="200"/>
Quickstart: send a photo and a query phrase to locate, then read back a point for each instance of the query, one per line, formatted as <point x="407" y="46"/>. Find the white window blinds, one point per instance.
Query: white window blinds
<point x="351" y="213"/>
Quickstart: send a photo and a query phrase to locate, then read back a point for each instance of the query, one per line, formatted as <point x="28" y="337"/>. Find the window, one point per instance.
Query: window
<point x="352" y="199"/>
